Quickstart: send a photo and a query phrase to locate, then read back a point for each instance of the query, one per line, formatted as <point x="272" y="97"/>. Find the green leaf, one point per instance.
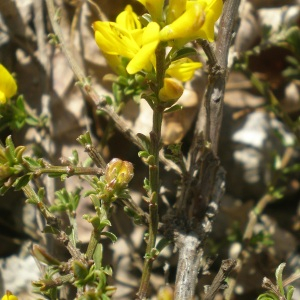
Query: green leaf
<point x="80" y="270"/>
<point x="32" y="121"/>
<point x="63" y="177"/>
<point x="108" y="100"/>
<point x="74" y="159"/>
<point x="129" y="212"/>
<point x="104" y="297"/>
<point x="43" y="256"/>
<point x="122" y="81"/>
<point x="292" y="169"/>
<point x="33" y="163"/>
<point x="4" y="189"/>
<point x="145" y="141"/>
<point x="290" y="292"/>
<point x="173" y="108"/>
<point x="85" y="139"/>
<point x="110" y="235"/>
<point x="41" y="194"/>
<point x="97" y="256"/>
<point x="267" y="296"/>
<point x="164" y="242"/>
<point x="101" y="280"/>
<point x="19" y="153"/>
<point x="108" y="270"/>
<point x="20" y="103"/>
<point x="278" y="275"/>
<point x="22" y="181"/>
<point x="117" y="92"/>
<point x="184" y="52"/>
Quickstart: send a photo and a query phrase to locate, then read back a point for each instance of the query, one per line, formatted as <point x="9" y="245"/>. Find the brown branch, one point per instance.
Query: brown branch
<point x="211" y="111"/>
<point x="219" y="281"/>
<point x="204" y="187"/>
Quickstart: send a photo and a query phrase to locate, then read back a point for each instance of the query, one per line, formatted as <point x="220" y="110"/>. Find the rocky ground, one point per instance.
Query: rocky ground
<point x="251" y="137"/>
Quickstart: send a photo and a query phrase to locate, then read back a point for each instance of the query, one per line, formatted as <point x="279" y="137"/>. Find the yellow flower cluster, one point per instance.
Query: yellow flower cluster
<point x="8" y="86"/>
<point x="181" y="21"/>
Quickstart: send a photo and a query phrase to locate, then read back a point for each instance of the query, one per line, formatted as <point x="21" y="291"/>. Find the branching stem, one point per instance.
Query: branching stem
<point x="155" y="137"/>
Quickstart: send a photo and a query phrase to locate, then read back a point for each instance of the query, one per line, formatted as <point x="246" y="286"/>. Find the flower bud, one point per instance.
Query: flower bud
<point x="5" y="171"/>
<point x="171" y="91"/>
<point x="118" y="173"/>
<point x="165" y="293"/>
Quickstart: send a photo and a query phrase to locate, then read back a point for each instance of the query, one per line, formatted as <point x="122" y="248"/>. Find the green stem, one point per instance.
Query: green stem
<point x="53" y="222"/>
<point x="68" y="170"/>
<point x="92" y="245"/>
<point x="34" y="198"/>
<point x="155" y="137"/>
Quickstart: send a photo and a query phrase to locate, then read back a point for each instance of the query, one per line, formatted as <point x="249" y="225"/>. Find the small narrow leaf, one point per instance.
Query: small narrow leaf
<point x="110" y="235"/>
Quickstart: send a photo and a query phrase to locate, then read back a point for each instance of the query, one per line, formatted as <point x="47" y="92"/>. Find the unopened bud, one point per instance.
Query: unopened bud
<point x="5" y="172"/>
<point x="171" y="91"/>
<point x="118" y="172"/>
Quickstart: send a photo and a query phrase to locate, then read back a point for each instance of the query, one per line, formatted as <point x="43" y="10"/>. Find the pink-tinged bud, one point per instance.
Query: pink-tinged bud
<point x="171" y="91"/>
<point x="118" y="173"/>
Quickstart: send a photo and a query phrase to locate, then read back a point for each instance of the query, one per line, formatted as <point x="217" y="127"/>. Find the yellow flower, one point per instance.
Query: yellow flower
<point x="145" y="55"/>
<point x="9" y="296"/>
<point x="183" y="69"/>
<point x="197" y="21"/>
<point x="8" y="86"/>
<point x="171" y="91"/>
<point x="175" y="9"/>
<point x="128" y="19"/>
<point x="155" y="8"/>
<point x="126" y="38"/>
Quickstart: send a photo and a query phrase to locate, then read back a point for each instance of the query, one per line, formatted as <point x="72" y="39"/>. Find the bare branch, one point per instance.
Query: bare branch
<point x="219" y="281"/>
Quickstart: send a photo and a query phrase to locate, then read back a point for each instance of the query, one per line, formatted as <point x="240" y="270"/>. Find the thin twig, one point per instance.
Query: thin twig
<point x="219" y="281"/>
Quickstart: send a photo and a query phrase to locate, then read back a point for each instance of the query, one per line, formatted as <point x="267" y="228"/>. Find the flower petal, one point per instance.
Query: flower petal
<point x="171" y="91"/>
<point x="114" y="40"/>
<point x="175" y="9"/>
<point x="154" y="7"/>
<point x="128" y="19"/>
<point x="186" y="25"/>
<point x="8" y="86"/>
<point x="144" y="56"/>
<point x="213" y="11"/>
<point x="183" y="69"/>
